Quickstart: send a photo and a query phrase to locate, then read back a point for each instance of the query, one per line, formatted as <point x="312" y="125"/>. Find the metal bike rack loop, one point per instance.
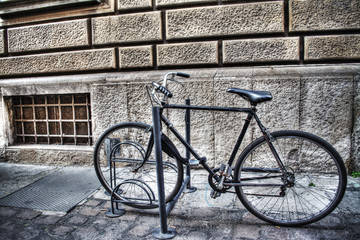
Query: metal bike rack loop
<point x="165" y="232"/>
<point x="189" y="188"/>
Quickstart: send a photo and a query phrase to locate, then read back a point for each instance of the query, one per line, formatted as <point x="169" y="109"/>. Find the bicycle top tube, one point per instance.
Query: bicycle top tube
<point x="211" y="108"/>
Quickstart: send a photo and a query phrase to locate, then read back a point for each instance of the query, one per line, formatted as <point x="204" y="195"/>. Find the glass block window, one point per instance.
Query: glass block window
<point x="53" y="119"/>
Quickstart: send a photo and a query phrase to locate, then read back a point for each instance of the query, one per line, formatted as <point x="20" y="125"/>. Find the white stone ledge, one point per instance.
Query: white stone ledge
<point x="51" y="147"/>
<point x="146" y="76"/>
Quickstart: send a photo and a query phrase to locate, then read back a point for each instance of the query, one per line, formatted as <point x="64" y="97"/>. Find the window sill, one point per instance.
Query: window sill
<point x="51" y="147"/>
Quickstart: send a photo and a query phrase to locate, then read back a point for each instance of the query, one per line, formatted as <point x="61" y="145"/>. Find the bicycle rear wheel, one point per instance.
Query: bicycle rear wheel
<point x="315" y="184"/>
<point x="124" y="161"/>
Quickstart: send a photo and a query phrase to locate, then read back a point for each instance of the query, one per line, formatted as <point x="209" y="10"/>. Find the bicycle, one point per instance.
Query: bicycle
<point x="287" y="178"/>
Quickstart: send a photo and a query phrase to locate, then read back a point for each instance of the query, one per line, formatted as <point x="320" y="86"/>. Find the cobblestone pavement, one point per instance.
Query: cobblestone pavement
<point x="196" y="216"/>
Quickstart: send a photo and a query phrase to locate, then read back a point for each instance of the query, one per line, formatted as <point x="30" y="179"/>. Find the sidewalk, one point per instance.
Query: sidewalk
<point x="195" y="216"/>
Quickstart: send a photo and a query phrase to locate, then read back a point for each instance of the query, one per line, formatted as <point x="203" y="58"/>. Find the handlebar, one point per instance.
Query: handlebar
<point x="163" y="87"/>
<point x="163" y="90"/>
<point x="180" y="74"/>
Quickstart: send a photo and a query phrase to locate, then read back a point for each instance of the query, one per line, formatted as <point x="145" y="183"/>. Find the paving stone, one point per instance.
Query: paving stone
<point x="7" y="212"/>
<point x="249" y="218"/>
<point x="247" y="231"/>
<point x="62" y="231"/>
<point x="77" y="220"/>
<point x="28" y="233"/>
<point x="8" y="226"/>
<point x="48" y="220"/>
<point x="85" y="233"/>
<point x="87" y="211"/>
<point x="92" y="203"/>
<point x="28" y="214"/>
<point x="117" y="230"/>
<point x="329" y="222"/>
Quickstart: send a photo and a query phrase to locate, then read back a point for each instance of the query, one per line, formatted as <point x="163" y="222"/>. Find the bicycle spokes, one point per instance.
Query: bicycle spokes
<point x="311" y="187"/>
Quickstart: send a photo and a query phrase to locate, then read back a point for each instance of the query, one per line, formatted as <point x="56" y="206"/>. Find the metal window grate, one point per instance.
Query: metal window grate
<point x="53" y="119"/>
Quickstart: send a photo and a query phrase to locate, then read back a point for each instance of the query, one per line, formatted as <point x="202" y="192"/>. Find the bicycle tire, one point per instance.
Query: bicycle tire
<point x="118" y="159"/>
<point x="316" y="169"/>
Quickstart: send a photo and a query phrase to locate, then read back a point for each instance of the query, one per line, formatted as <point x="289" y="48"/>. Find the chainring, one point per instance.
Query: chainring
<point x="214" y="183"/>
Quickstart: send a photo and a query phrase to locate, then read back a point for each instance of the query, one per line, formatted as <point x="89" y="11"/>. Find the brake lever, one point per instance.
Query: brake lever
<point x="176" y="81"/>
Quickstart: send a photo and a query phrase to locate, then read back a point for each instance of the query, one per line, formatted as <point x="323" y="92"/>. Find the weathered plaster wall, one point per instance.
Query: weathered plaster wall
<point x="307" y="52"/>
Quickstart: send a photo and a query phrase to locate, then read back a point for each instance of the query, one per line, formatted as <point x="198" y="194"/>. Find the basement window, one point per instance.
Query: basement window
<point x="11" y="8"/>
<point x="52" y="119"/>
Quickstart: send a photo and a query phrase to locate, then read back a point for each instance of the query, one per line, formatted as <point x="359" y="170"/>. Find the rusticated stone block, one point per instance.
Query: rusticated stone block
<point x="228" y="125"/>
<point x="138" y="102"/>
<point x="48" y="36"/>
<point x="132" y="57"/>
<point x="65" y="157"/>
<point x="326" y="109"/>
<point x="260" y="50"/>
<point x="2" y="47"/>
<point x="127" y="28"/>
<point x="58" y="62"/>
<point x="332" y="47"/>
<point x="252" y="18"/>
<point x="282" y="112"/>
<point x="200" y="92"/>
<point x="187" y="53"/>
<point x="113" y="103"/>
<point x="179" y="2"/>
<point x="131" y="4"/>
<point x="108" y="106"/>
<point x="315" y="15"/>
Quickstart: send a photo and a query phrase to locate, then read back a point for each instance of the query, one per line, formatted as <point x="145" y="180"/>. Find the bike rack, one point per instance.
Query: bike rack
<point x="165" y="232"/>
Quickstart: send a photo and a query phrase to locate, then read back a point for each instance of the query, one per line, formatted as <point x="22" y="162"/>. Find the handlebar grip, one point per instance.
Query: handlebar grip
<point x="165" y="91"/>
<point x="185" y="75"/>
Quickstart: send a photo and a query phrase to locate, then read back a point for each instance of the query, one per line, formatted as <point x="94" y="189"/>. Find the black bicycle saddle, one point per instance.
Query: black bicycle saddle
<point x="254" y="97"/>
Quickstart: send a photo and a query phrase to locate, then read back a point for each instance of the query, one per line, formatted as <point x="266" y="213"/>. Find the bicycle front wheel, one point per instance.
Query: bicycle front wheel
<point x="125" y="165"/>
<point x="311" y="188"/>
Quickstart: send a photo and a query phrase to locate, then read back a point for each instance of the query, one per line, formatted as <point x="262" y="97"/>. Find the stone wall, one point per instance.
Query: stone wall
<point x="307" y="52"/>
<point x="153" y="34"/>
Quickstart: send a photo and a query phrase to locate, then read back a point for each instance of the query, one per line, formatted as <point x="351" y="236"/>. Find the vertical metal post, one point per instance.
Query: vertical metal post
<point x="163" y="232"/>
<point x="188" y="189"/>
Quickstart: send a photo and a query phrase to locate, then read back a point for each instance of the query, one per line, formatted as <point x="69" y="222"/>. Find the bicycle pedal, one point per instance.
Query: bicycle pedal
<point x="214" y="194"/>
<point x="194" y="163"/>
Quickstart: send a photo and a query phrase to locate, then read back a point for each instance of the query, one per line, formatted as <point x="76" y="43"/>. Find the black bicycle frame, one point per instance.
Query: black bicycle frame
<point x="250" y="111"/>
<point x="158" y="117"/>
<point x="202" y="160"/>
